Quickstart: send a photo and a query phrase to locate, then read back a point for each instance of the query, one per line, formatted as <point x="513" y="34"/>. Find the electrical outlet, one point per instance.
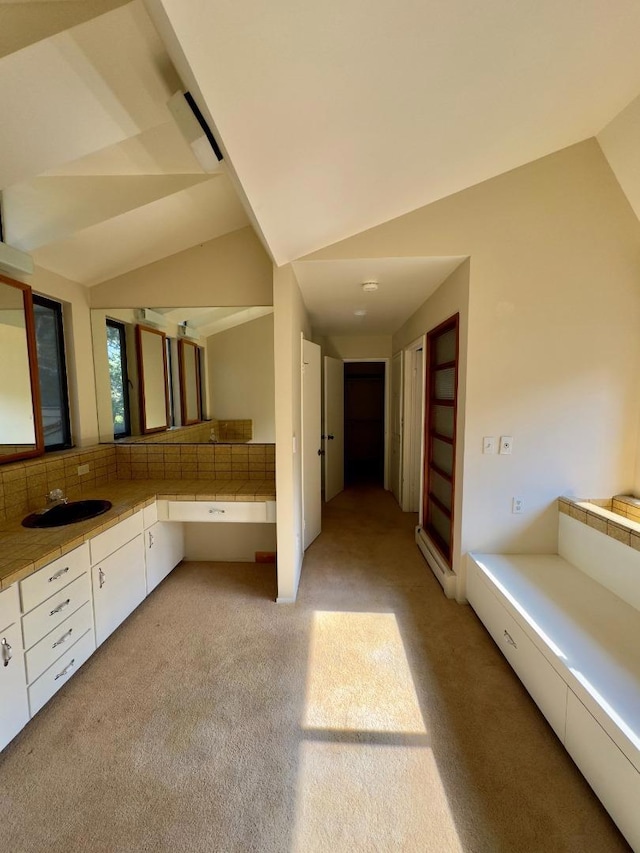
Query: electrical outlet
<point x="83" y="469"/>
<point x="489" y="444"/>
<point x="506" y="443"/>
<point x="517" y="506"/>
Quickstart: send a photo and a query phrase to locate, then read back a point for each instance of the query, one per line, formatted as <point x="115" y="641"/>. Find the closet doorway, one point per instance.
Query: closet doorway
<point x="365" y="422"/>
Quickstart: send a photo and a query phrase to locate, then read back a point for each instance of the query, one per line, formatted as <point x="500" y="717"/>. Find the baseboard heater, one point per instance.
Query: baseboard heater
<point x="443" y="573"/>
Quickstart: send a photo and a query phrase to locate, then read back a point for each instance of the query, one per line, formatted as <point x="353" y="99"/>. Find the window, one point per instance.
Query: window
<point x="117" y="358"/>
<point x="440" y="439"/>
<point x="52" y="373"/>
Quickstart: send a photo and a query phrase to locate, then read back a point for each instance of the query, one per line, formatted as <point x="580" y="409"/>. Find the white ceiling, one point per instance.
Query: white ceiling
<point x="333" y="117"/>
<point x="339" y="116"/>
<point x="332" y="291"/>
<point x="97" y="179"/>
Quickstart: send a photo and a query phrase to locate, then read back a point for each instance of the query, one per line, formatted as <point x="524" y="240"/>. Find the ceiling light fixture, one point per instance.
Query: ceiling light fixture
<point x="369" y="286"/>
<point x="360" y="312"/>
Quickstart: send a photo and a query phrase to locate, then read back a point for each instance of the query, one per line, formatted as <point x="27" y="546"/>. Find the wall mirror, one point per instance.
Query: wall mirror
<point x="21" y="433"/>
<point x="190" y="382"/>
<point x="153" y="379"/>
<point x="219" y="367"/>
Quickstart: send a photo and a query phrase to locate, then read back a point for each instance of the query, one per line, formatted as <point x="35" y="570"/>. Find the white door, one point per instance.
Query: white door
<point x="334" y="427"/>
<point x="311" y="443"/>
<point x="396" y="427"/>
<point x="119" y="586"/>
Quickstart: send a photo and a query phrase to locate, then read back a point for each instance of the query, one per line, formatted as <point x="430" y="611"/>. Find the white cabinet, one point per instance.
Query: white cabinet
<point x="609" y="772"/>
<point x="14" y="707"/>
<point x="57" y="624"/>
<point x="219" y="511"/>
<point x="119" y="586"/>
<point x="548" y="690"/>
<point x="164" y="548"/>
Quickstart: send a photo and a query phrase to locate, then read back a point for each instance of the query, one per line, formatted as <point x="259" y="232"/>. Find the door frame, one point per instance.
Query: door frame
<point x="387" y="407"/>
<point x="409" y="413"/>
<point x="400" y="356"/>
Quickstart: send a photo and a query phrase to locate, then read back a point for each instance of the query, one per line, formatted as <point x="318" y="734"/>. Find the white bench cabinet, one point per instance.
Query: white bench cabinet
<point x="164" y="549"/>
<point x="14" y="705"/>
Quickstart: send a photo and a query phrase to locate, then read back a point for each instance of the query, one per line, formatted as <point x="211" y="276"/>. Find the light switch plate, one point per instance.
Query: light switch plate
<point x="506" y="443"/>
<point x="489" y="444"/>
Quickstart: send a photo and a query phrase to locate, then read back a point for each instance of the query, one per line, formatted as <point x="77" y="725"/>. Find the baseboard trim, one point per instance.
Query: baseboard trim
<point x="447" y="578"/>
<point x="284" y="600"/>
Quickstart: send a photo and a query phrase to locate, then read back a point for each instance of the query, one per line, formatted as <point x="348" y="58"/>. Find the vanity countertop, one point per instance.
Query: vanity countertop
<point x="24" y="551"/>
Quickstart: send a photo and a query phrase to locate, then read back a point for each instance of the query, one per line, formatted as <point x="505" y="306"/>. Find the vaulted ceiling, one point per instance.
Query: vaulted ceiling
<point x="333" y="118"/>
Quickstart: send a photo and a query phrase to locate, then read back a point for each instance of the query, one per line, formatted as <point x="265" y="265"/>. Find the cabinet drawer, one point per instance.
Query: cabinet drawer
<point x="242" y="511"/>
<point x="9" y="606"/>
<point x="14" y="709"/>
<point x="53" y="611"/>
<point x="47" y="581"/>
<point x="609" y="772"/>
<point x="545" y="686"/>
<point x="150" y="515"/>
<point x="106" y="543"/>
<point x="56" y="643"/>
<point x="52" y="680"/>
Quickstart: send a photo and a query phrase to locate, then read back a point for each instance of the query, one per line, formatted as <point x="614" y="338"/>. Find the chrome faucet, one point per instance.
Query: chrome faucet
<point x="55" y="497"/>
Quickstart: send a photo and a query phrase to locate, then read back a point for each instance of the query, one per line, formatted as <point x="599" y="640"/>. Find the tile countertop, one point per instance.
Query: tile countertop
<point x="25" y="550"/>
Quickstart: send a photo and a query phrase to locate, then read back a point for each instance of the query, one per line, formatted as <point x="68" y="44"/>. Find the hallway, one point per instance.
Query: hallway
<point x="373" y="715"/>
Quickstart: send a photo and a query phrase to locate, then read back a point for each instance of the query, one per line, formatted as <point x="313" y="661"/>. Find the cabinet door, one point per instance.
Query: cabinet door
<point x="164" y="548"/>
<point x="609" y="772"/>
<point x="118" y="587"/>
<point x="14" y="707"/>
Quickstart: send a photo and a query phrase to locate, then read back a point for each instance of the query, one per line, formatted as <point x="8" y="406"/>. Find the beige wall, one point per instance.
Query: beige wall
<point x="620" y="142"/>
<point x="356" y="346"/>
<point x="553" y="344"/>
<point x="241" y="376"/>
<point x="77" y="323"/>
<point x="230" y="270"/>
<point x="290" y="322"/>
<point x="452" y="297"/>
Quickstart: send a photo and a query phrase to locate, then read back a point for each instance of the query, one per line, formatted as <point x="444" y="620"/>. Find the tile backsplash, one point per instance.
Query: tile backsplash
<point x="196" y="461"/>
<point x="25" y="485"/>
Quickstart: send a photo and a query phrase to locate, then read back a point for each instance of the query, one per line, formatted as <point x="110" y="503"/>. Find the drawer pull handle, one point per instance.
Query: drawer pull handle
<point x="150" y="539"/>
<point x="510" y="640"/>
<point x="63" y="639"/>
<point x="65" y="670"/>
<point x="7" y="652"/>
<point x="60" y="607"/>
<point x="101" y="578"/>
<point x="59" y="574"/>
<point x="216" y="512"/>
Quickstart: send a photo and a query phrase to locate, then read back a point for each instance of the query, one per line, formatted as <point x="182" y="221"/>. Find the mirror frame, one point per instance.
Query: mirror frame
<point x="32" y="354"/>
<point x="143" y="415"/>
<point x="182" y="344"/>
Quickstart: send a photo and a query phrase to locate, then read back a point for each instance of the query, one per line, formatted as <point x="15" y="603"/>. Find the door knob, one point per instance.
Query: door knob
<point x="330" y="437"/>
<point x="321" y="453"/>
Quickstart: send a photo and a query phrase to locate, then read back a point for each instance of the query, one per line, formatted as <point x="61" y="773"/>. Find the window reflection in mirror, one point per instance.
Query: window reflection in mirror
<point x="190" y="383"/>
<point x="52" y="373"/>
<point x="234" y="349"/>
<point x="20" y="424"/>
<point x="153" y="377"/>
<point x="119" y="378"/>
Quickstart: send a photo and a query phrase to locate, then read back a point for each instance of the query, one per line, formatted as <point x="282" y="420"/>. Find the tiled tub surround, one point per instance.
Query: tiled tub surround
<point x="617" y="517"/>
<point x="23" y="551"/>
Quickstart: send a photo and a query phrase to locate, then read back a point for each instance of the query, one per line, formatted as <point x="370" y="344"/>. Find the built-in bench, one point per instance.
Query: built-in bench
<point x="576" y="647"/>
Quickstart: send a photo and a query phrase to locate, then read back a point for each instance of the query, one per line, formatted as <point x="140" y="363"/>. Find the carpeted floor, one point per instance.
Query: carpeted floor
<point x="373" y="715"/>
